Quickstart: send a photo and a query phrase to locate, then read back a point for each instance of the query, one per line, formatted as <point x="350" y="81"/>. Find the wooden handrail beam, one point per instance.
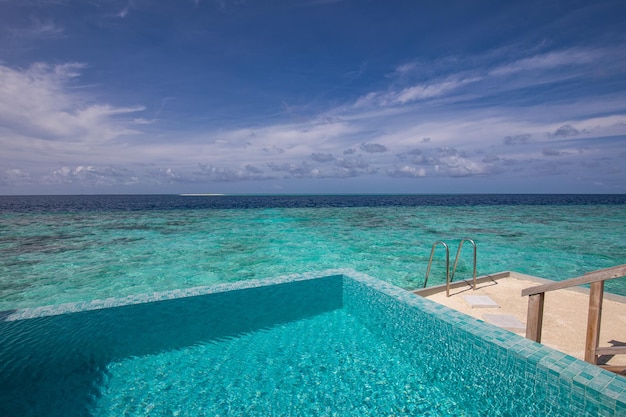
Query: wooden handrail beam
<point x="611" y="350"/>
<point x="534" y="319"/>
<point x="594" y="319"/>
<point x="600" y="275"/>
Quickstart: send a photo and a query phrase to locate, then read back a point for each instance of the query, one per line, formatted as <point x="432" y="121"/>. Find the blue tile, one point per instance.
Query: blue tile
<point x="606" y="408"/>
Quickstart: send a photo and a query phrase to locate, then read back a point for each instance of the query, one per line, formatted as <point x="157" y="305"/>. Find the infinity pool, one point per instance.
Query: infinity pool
<point x="333" y="343"/>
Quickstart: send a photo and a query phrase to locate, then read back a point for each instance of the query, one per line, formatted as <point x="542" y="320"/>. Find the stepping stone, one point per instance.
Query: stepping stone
<point x="505" y="321"/>
<point x="480" y="301"/>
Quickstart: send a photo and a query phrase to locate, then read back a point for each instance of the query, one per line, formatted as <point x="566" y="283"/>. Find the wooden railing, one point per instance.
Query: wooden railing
<point x="536" y="297"/>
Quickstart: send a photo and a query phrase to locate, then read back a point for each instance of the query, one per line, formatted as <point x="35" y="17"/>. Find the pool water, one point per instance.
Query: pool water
<point x="335" y="343"/>
<point x="329" y="364"/>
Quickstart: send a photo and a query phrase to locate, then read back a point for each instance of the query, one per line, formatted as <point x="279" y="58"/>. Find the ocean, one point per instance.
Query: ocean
<point x="58" y="249"/>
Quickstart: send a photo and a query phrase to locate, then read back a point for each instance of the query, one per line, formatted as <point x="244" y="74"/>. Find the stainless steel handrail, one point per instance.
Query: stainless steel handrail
<point x="456" y="260"/>
<point x="430" y="261"/>
<point x="450" y="277"/>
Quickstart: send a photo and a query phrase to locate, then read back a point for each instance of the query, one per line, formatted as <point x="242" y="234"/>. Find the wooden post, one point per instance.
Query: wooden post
<point x="593" y="321"/>
<point x="534" y="320"/>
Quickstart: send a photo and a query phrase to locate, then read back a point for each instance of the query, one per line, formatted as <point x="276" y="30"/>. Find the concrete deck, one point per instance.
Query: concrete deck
<point x="565" y="311"/>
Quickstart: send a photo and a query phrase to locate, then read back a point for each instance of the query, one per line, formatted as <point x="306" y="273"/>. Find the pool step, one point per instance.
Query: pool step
<point x="480" y="301"/>
<point x="505" y="321"/>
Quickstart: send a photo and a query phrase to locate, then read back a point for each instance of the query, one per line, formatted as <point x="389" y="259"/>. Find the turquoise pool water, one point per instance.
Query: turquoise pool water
<point x="336" y="344"/>
<point x="69" y="249"/>
<point x="329" y="364"/>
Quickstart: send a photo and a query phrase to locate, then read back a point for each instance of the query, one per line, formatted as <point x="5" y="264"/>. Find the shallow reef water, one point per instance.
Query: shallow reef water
<point x="56" y="249"/>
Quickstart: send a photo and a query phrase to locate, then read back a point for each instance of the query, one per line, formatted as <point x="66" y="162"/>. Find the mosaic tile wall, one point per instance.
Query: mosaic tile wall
<point x="483" y="362"/>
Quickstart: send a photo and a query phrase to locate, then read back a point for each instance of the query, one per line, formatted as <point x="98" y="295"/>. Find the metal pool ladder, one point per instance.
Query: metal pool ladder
<point x="450" y="277"/>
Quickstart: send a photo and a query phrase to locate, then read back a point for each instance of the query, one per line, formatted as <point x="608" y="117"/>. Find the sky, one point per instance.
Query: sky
<point x="312" y="96"/>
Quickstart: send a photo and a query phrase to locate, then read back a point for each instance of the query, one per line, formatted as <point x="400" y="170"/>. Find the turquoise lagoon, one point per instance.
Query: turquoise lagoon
<point x="74" y="248"/>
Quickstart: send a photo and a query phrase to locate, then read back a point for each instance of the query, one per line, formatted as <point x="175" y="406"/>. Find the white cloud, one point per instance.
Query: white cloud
<point x="92" y="175"/>
<point x="405" y="68"/>
<point x="37" y="103"/>
<point x="457" y="166"/>
<point x="425" y="91"/>
<point x="566" y="130"/>
<point x="322" y="157"/>
<point x="226" y="174"/>
<point x="38" y="29"/>
<point x="597" y="126"/>
<point x="407" y="171"/>
<point x="140" y="121"/>
<point x="123" y="13"/>
<point x="407" y="130"/>
<point x="551" y="60"/>
<point x="414" y="93"/>
<point x="373" y="147"/>
<point x="14" y="176"/>
<point x="334" y="148"/>
<point x="367" y="100"/>
<point x="473" y="78"/>
<point x="519" y="139"/>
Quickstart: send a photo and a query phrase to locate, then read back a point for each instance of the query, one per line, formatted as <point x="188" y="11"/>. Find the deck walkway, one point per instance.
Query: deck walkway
<point x="565" y="313"/>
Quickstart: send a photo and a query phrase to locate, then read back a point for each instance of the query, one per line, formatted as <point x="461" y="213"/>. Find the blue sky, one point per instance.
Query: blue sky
<point x="312" y="96"/>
